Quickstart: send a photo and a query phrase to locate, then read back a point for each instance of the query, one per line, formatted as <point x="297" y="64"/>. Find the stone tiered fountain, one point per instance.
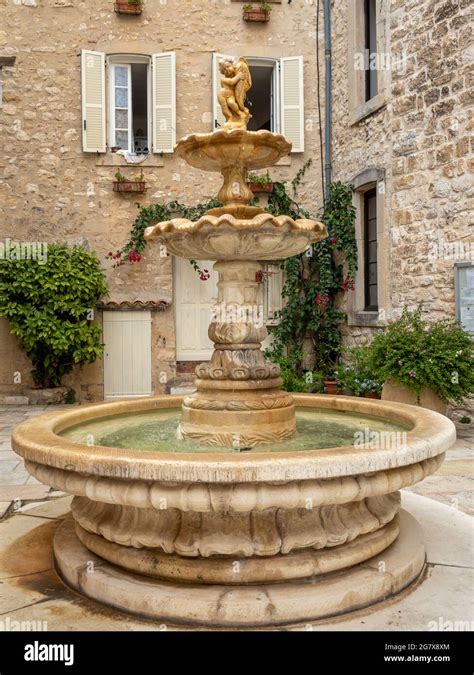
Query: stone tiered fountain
<point x="240" y="511"/>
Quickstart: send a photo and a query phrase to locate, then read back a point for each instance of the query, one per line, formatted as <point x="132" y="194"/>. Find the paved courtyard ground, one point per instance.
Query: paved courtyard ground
<point x="452" y="484"/>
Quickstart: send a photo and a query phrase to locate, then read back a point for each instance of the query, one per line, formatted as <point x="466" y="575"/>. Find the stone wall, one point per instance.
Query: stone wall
<point x="51" y="190"/>
<point x="420" y="137"/>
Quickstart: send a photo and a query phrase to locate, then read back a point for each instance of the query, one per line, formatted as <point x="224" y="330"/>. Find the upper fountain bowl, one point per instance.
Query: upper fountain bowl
<point x="238" y="147"/>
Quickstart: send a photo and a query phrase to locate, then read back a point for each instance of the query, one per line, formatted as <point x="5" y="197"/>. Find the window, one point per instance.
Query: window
<point x="276" y="100"/>
<point x="138" y="114"/>
<point x="370" y="250"/>
<point x="369" y="57"/>
<point x="370" y="25"/>
<point x="260" y="98"/>
<point x="464" y="294"/>
<point x="129" y="106"/>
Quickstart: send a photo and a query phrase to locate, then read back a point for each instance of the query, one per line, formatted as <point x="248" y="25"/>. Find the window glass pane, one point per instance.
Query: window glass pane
<point x="121" y="119"/>
<point x="372" y="251"/>
<point x="373" y="299"/>
<point x="121" y="139"/>
<point x="372" y="273"/>
<point x="121" y="97"/>
<point x="121" y="76"/>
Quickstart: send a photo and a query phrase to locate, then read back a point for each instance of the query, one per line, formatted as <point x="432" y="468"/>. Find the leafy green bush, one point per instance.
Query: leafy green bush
<point x="419" y="356"/>
<point x="306" y="382"/>
<point x="357" y="374"/>
<point x="49" y="309"/>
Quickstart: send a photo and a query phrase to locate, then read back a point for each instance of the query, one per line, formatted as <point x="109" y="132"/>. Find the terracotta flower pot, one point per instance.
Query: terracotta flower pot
<point x="124" y="7"/>
<point x="330" y="386"/>
<point x="258" y="15"/>
<point x="371" y="394"/>
<point x="257" y="188"/>
<point x="129" y="186"/>
<point x="393" y="391"/>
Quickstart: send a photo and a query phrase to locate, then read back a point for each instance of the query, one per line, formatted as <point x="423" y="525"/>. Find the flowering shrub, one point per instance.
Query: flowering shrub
<point x="419" y="356"/>
<point x="357" y="375"/>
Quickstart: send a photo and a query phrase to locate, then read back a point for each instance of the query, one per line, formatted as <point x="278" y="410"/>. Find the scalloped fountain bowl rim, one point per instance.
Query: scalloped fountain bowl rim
<point x="429" y="435"/>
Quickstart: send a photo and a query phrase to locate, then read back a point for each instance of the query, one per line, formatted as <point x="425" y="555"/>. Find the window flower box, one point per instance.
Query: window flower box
<point x="259" y="184"/>
<point x="257" y="188"/>
<point x="128" y="6"/>
<point x="260" y="14"/>
<point x="121" y="184"/>
<point x="129" y="186"/>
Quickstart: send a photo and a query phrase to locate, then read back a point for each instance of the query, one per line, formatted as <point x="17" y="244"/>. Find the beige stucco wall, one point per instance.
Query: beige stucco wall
<point x="51" y="190"/>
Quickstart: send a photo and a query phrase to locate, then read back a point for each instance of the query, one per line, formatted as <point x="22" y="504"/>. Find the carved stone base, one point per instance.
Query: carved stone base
<point x="263" y="533"/>
<point x="239" y="419"/>
<point x="233" y="605"/>
<point x="223" y="570"/>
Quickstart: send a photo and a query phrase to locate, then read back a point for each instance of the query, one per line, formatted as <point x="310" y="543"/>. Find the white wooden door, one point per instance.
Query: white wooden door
<point x="127" y="354"/>
<point x="193" y="304"/>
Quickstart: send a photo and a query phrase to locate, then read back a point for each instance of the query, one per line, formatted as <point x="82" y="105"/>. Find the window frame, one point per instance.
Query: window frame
<point x="113" y="107"/>
<point x="274" y="63"/>
<point x="458" y="267"/>
<point x="370" y="24"/>
<point x="126" y="60"/>
<point x="359" y="106"/>
<point x="371" y="192"/>
<point x="357" y="314"/>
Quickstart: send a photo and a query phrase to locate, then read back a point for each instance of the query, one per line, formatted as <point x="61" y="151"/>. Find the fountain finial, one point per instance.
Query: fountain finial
<point x="235" y="83"/>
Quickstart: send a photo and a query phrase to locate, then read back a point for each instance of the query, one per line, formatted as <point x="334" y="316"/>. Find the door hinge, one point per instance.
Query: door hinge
<point x="85" y="124"/>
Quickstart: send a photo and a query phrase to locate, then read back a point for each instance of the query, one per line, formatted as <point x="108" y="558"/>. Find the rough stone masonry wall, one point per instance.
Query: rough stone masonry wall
<point x="52" y="191"/>
<point x="421" y="138"/>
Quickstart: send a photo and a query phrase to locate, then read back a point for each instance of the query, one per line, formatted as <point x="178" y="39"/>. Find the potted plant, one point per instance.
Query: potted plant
<point x="121" y="184"/>
<point x="356" y="376"/>
<point x="330" y="383"/>
<point x="259" y="14"/>
<point x="424" y="364"/>
<point x="128" y="6"/>
<point x="259" y="183"/>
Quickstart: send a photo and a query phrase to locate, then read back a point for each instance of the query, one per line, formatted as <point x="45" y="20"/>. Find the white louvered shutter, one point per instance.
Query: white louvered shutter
<point x="218" y="118"/>
<point x="93" y="101"/>
<point x="164" y="101"/>
<point x="292" y="101"/>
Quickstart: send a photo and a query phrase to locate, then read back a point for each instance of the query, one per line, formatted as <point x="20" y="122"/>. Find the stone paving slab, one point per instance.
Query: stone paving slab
<point x="12" y="492"/>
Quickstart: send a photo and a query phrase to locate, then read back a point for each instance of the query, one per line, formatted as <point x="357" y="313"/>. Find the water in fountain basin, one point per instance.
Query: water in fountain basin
<point x="156" y="431"/>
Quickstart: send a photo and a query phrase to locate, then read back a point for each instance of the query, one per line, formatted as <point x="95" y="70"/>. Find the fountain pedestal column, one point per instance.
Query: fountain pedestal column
<point x="238" y="401"/>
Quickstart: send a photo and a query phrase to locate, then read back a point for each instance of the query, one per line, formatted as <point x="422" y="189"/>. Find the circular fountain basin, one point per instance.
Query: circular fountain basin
<point x="226" y="536"/>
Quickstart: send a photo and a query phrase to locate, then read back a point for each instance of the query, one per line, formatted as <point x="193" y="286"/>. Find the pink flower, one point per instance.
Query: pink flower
<point x="333" y="240"/>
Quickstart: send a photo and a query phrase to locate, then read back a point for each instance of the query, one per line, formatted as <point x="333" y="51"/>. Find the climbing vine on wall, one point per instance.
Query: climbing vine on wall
<point x="314" y="281"/>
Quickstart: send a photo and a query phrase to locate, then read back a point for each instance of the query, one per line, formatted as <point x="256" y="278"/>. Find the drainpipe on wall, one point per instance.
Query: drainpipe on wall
<point x="327" y="95"/>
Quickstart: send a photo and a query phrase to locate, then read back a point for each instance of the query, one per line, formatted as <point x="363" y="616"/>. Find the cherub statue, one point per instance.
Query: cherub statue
<point x="235" y="83"/>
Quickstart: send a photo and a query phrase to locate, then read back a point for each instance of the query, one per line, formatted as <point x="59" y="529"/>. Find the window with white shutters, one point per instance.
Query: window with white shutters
<point x="164" y="101"/>
<point x="141" y="108"/>
<point x="93" y="101"/>
<point x="292" y="101"/>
